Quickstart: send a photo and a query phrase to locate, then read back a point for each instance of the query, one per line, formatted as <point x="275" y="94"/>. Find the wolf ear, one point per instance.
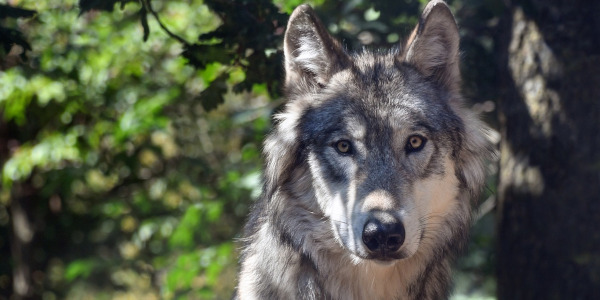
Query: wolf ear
<point x="433" y="46"/>
<point x="311" y="54"/>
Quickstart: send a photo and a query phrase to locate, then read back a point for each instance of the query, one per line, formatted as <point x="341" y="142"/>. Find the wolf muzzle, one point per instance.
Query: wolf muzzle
<point x="383" y="237"/>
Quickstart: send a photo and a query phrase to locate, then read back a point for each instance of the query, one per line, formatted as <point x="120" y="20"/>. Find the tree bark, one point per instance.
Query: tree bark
<point x="23" y="229"/>
<point x="548" y="242"/>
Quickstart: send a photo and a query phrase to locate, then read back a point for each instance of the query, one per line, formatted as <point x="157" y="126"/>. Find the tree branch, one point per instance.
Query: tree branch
<point x="148" y="6"/>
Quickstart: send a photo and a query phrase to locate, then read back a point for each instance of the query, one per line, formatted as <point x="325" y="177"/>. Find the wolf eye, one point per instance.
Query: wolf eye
<point x="343" y="147"/>
<point x="415" y="143"/>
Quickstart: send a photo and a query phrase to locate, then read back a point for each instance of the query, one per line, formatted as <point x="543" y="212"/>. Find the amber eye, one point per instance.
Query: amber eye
<point x="343" y="147"/>
<point x="415" y="143"/>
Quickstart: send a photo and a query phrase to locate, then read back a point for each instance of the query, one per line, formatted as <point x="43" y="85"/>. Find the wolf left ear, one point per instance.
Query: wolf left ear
<point x="311" y="55"/>
<point x="433" y="46"/>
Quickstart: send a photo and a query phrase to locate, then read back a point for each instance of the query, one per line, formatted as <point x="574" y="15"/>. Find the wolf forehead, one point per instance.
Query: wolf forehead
<point x="380" y="93"/>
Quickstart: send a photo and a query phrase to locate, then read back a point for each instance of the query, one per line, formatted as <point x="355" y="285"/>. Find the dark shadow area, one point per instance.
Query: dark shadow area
<point x="547" y="245"/>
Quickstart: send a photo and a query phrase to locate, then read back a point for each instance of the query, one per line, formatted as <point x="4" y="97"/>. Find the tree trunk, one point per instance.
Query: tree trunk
<point x="22" y="240"/>
<point x="549" y="187"/>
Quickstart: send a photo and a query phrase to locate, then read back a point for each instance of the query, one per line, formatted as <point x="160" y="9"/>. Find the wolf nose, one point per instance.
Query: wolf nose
<point x="383" y="237"/>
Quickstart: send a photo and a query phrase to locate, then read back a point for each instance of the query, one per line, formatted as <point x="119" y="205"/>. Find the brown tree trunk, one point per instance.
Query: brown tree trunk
<point x="23" y="230"/>
<point x="549" y="187"/>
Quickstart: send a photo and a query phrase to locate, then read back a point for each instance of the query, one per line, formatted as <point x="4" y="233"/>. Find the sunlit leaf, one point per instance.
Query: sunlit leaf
<point x="183" y="236"/>
<point x="80" y="269"/>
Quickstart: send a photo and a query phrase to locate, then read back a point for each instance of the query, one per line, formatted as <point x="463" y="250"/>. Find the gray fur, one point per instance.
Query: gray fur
<point x="303" y="238"/>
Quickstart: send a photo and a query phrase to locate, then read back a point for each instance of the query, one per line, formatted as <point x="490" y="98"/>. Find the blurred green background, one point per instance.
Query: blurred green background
<point x="130" y="149"/>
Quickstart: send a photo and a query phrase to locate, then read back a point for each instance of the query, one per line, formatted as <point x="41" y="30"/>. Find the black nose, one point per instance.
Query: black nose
<point x="383" y="237"/>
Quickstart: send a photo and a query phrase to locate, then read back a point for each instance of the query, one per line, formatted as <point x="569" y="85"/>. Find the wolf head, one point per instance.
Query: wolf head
<point x="376" y="145"/>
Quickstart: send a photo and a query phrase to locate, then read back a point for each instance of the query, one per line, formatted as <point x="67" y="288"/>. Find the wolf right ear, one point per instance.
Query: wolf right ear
<point x="311" y="55"/>
<point x="433" y="46"/>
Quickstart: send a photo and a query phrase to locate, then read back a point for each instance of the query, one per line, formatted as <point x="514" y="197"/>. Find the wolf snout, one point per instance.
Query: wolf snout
<point x="383" y="238"/>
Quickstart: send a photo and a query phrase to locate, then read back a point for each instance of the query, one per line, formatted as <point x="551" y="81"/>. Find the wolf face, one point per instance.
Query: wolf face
<point x="380" y="158"/>
<point x="379" y="134"/>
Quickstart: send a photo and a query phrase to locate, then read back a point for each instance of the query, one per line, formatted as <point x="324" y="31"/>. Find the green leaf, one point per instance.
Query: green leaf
<point x="200" y="55"/>
<point x="51" y="152"/>
<point x="183" y="236"/>
<point x="213" y="95"/>
<point x="80" y="268"/>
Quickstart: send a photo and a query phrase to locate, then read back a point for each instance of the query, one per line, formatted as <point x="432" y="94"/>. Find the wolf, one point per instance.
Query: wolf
<point x="371" y="169"/>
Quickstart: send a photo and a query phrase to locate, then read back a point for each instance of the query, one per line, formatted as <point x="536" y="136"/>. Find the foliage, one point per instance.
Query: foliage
<point x="136" y="126"/>
<point x="123" y="188"/>
<point x="10" y="36"/>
